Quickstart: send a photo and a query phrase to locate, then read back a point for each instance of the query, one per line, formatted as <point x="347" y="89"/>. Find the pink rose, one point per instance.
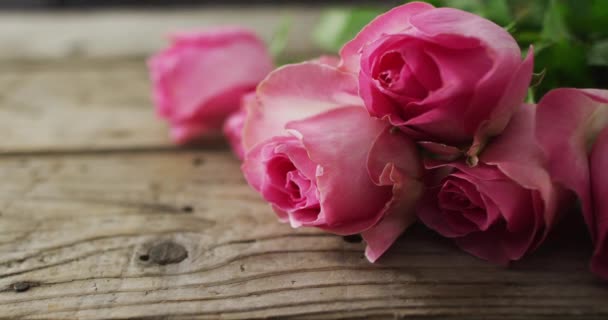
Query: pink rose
<point x="200" y="79"/>
<point x="572" y="127"/>
<point x="233" y="127"/>
<point x="321" y="161"/>
<point x="502" y="208"/>
<point x="440" y="74"/>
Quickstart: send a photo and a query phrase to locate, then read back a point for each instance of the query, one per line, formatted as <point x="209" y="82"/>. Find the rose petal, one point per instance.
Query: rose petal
<point x="442" y="25"/>
<point x="295" y="92"/>
<point x="182" y="133"/>
<point x="233" y="126"/>
<point x="392" y="22"/>
<point x="350" y="201"/>
<point x="454" y="28"/>
<point x="599" y="187"/>
<point x="199" y="80"/>
<point x="393" y="160"/>
<point x="188" y="80"/>
<point x="518" y="155"/>
<point x="399" y="215"/>
<point x="567" y="123"/>
<point x="494" y="122"/>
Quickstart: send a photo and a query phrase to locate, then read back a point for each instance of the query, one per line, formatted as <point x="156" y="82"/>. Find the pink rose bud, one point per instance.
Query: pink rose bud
<point x="572" y="127"/>
<point x="502" y="208"/>
<point x="314" y="153"/>
<point x="200" y="79"/>
<point x="442" y="75"/>
<point x="233" y="127"/>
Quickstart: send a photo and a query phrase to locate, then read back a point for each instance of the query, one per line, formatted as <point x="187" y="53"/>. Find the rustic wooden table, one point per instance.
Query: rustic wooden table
<point x="101" y="218"/>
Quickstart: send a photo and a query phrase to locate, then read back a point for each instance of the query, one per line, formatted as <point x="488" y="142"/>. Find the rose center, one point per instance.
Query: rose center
<point x="296" y="185"/>
<point x="462" y="205"/>
<point x="395" y="74"/>
<point x="292" y="189"/>
<point x="388" y="77"/>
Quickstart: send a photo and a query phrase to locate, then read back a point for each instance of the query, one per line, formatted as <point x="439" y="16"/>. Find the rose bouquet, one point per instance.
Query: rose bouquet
<point x="422" y="116"/>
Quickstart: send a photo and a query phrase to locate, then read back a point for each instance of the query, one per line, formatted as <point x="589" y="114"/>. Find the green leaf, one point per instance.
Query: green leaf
<point x="588" y="19"/>
<point x="566" y="65"/>
<point x="528" y="14"/>
<point x="554" y="25"/>
<point x="598" y="54"/>
<point x="498" y="11"/>
<point x="338" y="26"/>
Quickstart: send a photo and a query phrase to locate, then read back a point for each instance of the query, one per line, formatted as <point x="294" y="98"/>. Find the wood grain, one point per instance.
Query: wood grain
<point x="137" y="33"/>
<point x="77" y="232"/>
<point x="77" y="106"/>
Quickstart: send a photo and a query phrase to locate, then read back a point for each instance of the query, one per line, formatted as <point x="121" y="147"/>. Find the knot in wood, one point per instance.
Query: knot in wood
<point x="166" y="252"/>
<point x="23" y="286"/>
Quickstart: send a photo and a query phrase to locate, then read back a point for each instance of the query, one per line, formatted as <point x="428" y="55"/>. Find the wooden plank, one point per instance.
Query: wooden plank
<point x="179" y="235"/>
<point x="77" y="106"/>
<point x="122" y="33"/>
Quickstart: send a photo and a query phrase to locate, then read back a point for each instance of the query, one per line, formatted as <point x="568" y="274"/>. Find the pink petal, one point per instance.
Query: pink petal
<point x="447" y="27"/>
<point x="599" y="187"/>
<point x="493" y="123"/>
<point x="398" y="216"/>
<point x="233" y="127"/>
<point x="295" y="92"/>
<point x="393" y="160"/>
<point x="188" y="132"/>
<point x="393" y="149"/>
<point x="332" y="61"/>
<point x="515" y="185"/>
<point x="339" y="141"/>
<point x="517" y="153"/>
<point x="201" y="78"/>
<point x="567" y="123"/>
<point x="266" y="168"/>
<point x="392" y="22"/>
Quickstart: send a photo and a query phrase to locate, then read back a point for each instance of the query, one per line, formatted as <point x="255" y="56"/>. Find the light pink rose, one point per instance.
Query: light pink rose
<point x="321" y="161"/>
<point x="502" y="208"/>
<point x="572" y="127"/>
<point x="200" y="79"/>
<point x="233" y="127"/>
<point x="442" y="75"/>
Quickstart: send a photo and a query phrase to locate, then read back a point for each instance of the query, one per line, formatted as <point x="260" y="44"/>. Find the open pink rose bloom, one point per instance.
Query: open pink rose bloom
<point x="321" y="161"/>
<point x="502" y="208"/>
<point x="442" y="75"/>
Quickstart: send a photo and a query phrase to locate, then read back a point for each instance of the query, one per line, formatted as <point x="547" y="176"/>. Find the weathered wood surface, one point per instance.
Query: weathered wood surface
<point x="121" y="33"/>
<point x="78" y="230"/>
<point x="101" y="219"/>
<point x="77" y="106"/>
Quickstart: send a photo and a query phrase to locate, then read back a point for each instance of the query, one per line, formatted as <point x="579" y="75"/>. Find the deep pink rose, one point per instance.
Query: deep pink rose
<point x="502" y="208"/>
<point x="442" y="75"/>
<point x="233" y="127"/>
<point x="200" y="79"/>
<point x="572" y="127"/>
<point x="321" y="161"/>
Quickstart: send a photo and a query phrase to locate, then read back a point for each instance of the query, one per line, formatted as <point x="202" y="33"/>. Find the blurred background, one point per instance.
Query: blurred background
<point x="570" y="36"/>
